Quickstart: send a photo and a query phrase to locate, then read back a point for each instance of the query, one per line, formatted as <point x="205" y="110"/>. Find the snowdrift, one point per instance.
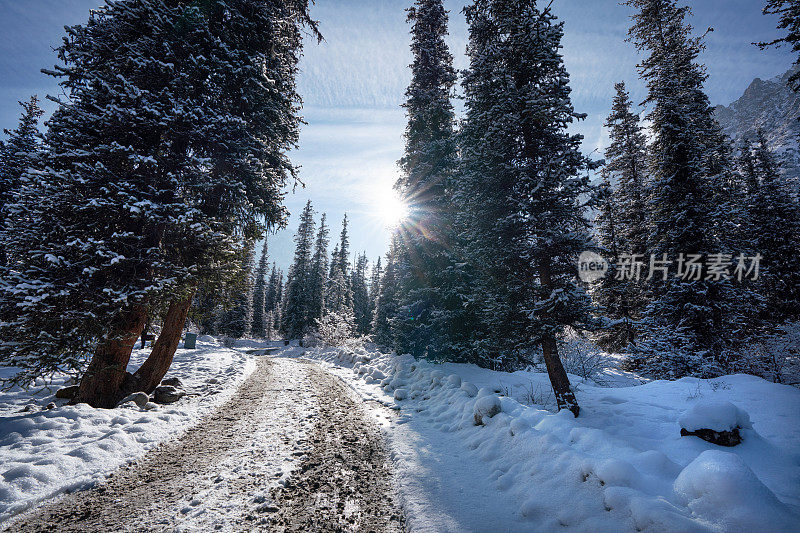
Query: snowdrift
<point x="477" y="442"/>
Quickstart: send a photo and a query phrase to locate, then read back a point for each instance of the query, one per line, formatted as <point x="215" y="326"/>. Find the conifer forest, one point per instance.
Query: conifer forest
<point x="400" y="265"/>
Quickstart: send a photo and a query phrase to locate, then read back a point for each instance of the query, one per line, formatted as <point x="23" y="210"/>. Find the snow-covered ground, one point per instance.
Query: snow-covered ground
<point x="621" y="466"/>
<point x="45" y="452"/>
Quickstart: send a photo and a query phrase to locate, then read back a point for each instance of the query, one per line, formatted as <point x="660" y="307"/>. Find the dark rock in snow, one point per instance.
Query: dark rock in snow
<point x="49" y="406"/>
<point x="486" y="407"/>
<point x="167" y="394"/>
<point x="720" y="438"/>
<point x="67" y="393"/>
<point x="139" y="398"/>
<point x="172" y="382"/>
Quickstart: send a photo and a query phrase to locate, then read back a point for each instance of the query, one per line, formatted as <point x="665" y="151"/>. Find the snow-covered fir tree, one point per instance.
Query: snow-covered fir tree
<point x="386" y="304"/>
<point x="522" y="178"/>
<point x="612" y="294"/>
<point x="425" y="258"/>
<point x="775" y="221"/>
<point x="621" y="222"/>
<point x="277" y="312"/>
<point x="339" y="294"/>
<point x="237" y="321"/>
<point x="362" y="313"/>
<point x="18" y="153"/>
<point x="258" y="329"/>
<point x="626" y="164"/>
<point x="374" y="286"/>
<point x="272" y="298"/>
<point x="318" y="280"/>
<point x="297" y="306"/>
<point x="342" y="259"/>
<point x="692" y="321"/>
<point x="150" y="182"/>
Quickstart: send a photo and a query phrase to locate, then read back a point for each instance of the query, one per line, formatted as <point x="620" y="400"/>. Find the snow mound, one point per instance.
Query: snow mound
<point x="469" y="388"/>
<point x="721" y="488"/>
<point x="486" y="407"/>
<point x="716" y="416"/>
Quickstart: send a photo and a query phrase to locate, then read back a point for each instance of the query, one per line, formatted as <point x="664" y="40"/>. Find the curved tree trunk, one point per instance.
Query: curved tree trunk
<point x="565" y="398"/>
<point x="101" y="385"/>
<point x="158" y="362"/>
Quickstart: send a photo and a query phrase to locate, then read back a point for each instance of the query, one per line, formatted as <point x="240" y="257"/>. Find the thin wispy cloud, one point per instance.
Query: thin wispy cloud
<point x="353" y="84"/>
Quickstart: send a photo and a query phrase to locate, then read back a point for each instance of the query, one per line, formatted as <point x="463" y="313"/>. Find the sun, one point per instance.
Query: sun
<point x="390" y="208"/>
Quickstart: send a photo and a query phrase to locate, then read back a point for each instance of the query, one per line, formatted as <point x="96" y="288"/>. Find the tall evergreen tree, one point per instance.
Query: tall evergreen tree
<point x="318" y="281"/>
<point x="775" y="219"/>
<point x="343" y="259"/>
<point x="17" y="154"/>
<point x="626" y="164"/>
<point x="425" y="261"/>
<point x="362" y="313"/>
<point x="621" y="222"/>
<point x="296" y="309"/>
<point x="375" y="285"/>
<point x="339" y="294"/>
<point x="162" y="163"/>
<point x="277" y="312"/>
<point x="238" y="320"/>
<point x="386" y="305"/>
<point x="259" y="327"/>
<point x="612" y="294"/>
<point x="521" y="184"/>
<point x="691" y="322"/>
<point x="272" y="298"/>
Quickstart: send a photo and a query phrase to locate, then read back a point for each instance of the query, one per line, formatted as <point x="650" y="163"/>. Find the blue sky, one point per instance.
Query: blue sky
<point x="353" y="84"/>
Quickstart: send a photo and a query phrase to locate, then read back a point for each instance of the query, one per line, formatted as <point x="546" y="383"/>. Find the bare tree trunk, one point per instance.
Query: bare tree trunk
<point x="158" y="362"/>
<point x="101" y="385"/>
<point x="565" y="398"/>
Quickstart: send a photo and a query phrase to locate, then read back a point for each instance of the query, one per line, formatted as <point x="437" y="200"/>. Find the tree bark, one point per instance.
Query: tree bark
<point x="565" y="398"/>
<point x="154" y="368"/>
<point x="101" y="385"/>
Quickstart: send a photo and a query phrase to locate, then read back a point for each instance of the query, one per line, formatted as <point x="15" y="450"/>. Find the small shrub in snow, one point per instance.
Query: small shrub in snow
<point x="581" y="357"/>
<point x="469" y="388"/>
<point x="537" y="395"/>
<point x="333" y="329"/>
<point x="776" y="357"/>
<point x="486" y="407"/>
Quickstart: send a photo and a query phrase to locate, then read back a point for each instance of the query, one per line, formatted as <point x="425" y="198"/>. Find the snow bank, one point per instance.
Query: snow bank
<point x="621" y="466"/>
<point x="717" y="416"/>
<point x="720" y="487"/>
<point x="45" y="452"/>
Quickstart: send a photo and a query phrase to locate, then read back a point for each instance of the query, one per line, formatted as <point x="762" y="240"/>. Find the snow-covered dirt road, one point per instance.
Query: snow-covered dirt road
<point x="292" y="448"/>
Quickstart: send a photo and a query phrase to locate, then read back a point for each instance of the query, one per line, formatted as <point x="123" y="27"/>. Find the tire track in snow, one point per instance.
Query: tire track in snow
<point x="292" y="447"/>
